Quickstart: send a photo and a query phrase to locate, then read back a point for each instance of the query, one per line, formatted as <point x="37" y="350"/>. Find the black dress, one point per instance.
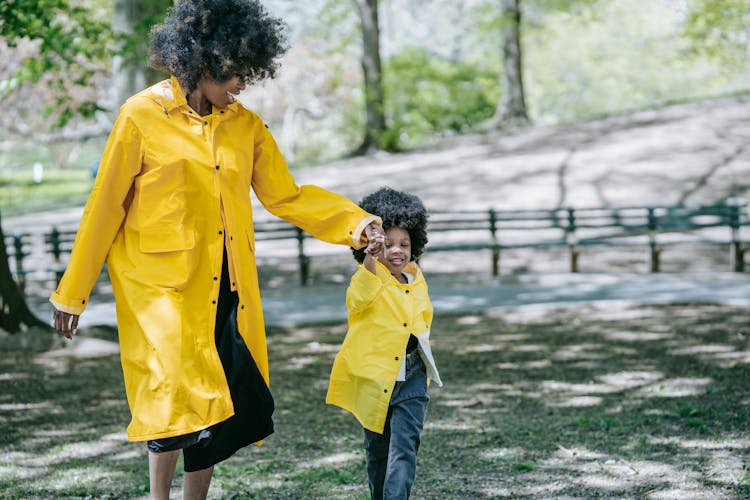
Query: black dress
<point x="253" y="403"/>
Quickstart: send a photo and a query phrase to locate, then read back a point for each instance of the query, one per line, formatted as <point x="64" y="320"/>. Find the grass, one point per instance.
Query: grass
<point x="640" y="402"/>
<point x="58" y="187"/>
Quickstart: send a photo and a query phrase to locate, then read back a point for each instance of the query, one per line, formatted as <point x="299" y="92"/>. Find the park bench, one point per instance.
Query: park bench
<point x="17" y="248"/>
<point x="574" y="229"/>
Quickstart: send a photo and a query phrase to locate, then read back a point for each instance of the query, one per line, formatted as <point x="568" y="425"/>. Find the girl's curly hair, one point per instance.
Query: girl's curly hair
<point x="397" y="209"/>
<point x="218" y="39"/>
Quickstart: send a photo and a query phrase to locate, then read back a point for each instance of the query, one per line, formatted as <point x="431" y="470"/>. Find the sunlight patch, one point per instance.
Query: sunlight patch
<point x="468" y="320"/>
<point x="502" y="453"/>
<point x="525" y="365"/>
<point x="82" y="477"/>
<point x="24" y="406"/>
<point x="82" y="348"/>
<point x="629" y="380"/>
<point x="529" y="348"/>
<point x="726" y="468"/>
<point x="125" y="455"/>
<point x="576" y="402"/>
<point x="636" y="336"/>
<point x="730" y="443"/>
<point x="676" y="388"/>
<point x="577" y="453"/>
<point x="557" y="387"/>
<point x="483" y="348"/>
<point x="580" y="352"/>
<point x="13" y="376"/>
<point x="450" y="426"/>
<point x="298" y="363"/>
<point x="701" y="349"/>
<point x="318" y="347"/>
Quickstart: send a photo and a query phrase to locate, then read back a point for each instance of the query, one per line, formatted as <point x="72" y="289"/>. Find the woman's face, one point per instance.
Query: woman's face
<point x="222" y="94"/>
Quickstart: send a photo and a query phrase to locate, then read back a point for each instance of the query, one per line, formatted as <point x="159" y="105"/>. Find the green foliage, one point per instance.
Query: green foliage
<point x="631" y="55"/>
<point x="70" y="41"/>
<point x="428" y="94"/>
<point x="720" y="29"/>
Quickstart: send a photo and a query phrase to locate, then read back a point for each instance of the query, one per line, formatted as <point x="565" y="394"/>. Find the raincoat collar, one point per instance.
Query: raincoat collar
<point x="170" y="96"/>
<point x="385" y="275"/>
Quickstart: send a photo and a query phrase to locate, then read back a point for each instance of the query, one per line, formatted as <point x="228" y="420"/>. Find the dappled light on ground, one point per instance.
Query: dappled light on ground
<point x="597" y="400"/>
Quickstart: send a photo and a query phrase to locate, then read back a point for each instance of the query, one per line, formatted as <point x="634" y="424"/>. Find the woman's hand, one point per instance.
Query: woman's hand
<point x="66" y="324"/>
<point x="373" y="251"/>
<point x="371" y="230"/>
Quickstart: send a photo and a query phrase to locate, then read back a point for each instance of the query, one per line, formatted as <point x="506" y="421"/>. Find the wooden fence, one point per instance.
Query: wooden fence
<point x="654" y="227"/>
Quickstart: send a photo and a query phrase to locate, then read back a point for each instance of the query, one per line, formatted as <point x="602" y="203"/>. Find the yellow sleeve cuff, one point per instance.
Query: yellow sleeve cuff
<point x="357" y="236"/>
<point x="70" y="306"/>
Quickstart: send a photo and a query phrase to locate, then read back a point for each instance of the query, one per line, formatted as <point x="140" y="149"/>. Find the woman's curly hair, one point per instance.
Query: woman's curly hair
<point x="218" y="39"/>
<point x="397" y="209"/>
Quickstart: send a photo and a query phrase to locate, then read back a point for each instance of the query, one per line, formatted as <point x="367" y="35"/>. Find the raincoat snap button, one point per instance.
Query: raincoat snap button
<point x="216" y="279"/>
<point x="213" y="302"/>
<point x="407" y="291"/>
<point x="221" y="232"/>
<point x="83" y="302"/>
<point x="404" y="324"/>
<point x="242" y="307"/>
<point x="217" y="167"/>
<point x="385" y="391"/>
<point x="396" y="358"/>
<point x="205" y="123"/>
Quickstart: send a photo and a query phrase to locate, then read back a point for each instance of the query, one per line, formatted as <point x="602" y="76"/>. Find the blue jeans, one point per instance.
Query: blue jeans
<point x="392" y="456"/>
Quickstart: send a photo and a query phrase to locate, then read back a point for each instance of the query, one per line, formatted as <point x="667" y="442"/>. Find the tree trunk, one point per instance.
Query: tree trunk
<point x="15" y="315"/>
<point x="134" y="18"/>
<point x="511" y="110"/>
<point x="373" y="76"/>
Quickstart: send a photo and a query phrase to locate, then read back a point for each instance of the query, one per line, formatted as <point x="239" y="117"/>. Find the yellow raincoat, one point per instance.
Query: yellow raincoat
<point x="173" y="187"/>
<point x="382" y="315"/>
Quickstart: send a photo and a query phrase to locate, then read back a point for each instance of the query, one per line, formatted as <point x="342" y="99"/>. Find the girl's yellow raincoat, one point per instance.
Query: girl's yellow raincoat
<point x="382" y="315"/>
<point x="172" y="189"/>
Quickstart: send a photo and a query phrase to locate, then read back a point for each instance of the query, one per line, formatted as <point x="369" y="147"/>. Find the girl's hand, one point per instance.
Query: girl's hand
<point x="66" y="324"/>
<point x="373" y="251"/>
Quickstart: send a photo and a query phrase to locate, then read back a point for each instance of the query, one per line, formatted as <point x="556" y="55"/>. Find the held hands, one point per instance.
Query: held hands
<point x="374" y="250"/>
<point x="66" y="324"/>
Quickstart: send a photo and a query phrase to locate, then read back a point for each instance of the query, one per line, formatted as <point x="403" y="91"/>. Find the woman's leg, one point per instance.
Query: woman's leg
<point x="160" y="472"/>
<point x="197" y="483"/>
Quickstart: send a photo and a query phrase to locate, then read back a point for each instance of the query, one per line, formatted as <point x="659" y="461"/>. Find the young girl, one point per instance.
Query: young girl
<point x="381" y="373"/>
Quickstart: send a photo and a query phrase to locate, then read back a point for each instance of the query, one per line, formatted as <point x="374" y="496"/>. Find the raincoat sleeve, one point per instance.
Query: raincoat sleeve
<point x="325" y="215"/>
<point x="104" y="212"/>
<point x="364" y="288"/>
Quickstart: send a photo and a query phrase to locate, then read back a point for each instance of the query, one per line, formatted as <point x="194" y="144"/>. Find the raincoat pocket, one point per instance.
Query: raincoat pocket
<point x="166" y="240"/>
<point x="166" y="257"/>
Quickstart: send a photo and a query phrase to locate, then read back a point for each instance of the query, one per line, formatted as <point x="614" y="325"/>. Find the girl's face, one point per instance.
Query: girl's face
<point x="397" y="251"/>
<point x="222" y="94"/>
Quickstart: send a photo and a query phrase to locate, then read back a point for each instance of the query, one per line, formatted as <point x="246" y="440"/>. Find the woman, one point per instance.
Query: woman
<point x="171" y="212"/>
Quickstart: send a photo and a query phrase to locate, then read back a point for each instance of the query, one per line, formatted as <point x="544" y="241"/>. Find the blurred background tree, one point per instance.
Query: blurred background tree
<point x="363" y="74"/>
<point x="58" y="53"/>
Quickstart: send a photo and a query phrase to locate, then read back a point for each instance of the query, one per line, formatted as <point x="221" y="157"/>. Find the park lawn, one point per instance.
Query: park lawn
<point x="587" y="401"/>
